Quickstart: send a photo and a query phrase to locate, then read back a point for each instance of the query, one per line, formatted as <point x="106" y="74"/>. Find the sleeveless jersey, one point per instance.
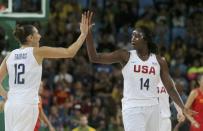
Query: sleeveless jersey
<point x="163" y="101"/>
<point x="24" y="76"/>
<point x="198" y="106"/>
<point x="140" y="81"/>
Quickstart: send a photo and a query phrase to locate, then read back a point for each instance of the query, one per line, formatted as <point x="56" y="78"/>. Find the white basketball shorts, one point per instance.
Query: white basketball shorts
<point x="20" y="117"/>
<point x="141" y="118"/>
<point x="165" y="124"/>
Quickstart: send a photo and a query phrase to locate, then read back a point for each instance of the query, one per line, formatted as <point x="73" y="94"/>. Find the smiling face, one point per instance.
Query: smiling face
<point x="137" y="38"/>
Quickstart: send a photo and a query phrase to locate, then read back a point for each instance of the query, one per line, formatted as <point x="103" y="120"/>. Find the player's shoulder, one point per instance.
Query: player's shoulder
<point x="194" y="92"/>
<point x="161" y="60"/>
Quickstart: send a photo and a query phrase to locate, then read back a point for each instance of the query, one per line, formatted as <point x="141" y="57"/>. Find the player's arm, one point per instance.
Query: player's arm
<point x="168" y="83"/>
<point x="3" y="73"/>
<point x="171" y="89"/>
<point x="180" y="115"/>
<point x="188" y="104"/>
<point x="43" y="117"/>
<point x="70" y="52"/>
<point x="178" y="108"/>
<point x="118" y="56"/>
<point x="53" y="52"/>
<point x="191" y="99"/>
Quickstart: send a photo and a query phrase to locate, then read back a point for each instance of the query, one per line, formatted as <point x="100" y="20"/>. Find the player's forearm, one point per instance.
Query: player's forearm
<point x="3" y="92"/>
<point x="92" y="53"/>
<point x="44" y="118"/>
<point x="73" y="49"/>
<point x="176" y="97"/>
<point x="178" y="108"/>
<point x="171" y="89"/>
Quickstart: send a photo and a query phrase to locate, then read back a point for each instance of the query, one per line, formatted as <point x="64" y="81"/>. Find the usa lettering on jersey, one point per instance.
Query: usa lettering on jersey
<point x="144" y="69"/>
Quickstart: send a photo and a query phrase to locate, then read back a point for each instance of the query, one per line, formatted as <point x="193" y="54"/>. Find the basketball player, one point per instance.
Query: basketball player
<point x="141" y="69"/>
<point x="165" y="113"/>
<point x="195" y="102"/>
<point x="24" y="68"/>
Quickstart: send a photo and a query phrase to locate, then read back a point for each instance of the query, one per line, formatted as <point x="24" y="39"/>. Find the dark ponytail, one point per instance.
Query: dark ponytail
<point x="148" y="36"/>
<point x="22" y="32"/>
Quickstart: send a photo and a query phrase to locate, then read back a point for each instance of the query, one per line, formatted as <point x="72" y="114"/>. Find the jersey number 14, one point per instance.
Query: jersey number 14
<point x="144" y="83"/>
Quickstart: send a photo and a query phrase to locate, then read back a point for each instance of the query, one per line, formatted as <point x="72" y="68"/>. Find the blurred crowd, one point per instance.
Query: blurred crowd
<point x="76" y="87"/>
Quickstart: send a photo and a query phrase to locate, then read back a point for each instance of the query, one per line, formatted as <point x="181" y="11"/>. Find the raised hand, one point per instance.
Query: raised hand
<point x="84" y="23"/>
<point x="90" y="24"/>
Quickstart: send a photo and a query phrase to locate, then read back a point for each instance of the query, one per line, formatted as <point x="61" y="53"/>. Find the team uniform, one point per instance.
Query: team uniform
<point x="21" y="107"/>
<point x="140" y="108"/>
<point x="198" y="107"/>
<point x="165" y="113"/>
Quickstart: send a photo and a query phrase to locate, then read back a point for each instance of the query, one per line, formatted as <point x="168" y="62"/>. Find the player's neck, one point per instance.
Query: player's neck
<point x="143" y="54"/>
<point x="25" y="46"/>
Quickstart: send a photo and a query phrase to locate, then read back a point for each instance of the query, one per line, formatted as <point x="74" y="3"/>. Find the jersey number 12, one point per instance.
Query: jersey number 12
<point x="19" y="71"/>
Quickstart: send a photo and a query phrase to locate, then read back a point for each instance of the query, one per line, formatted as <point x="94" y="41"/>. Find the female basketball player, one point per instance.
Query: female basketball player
<point x="195" y="102"/>
<point x="24" y="68"/>
<point x="141" y="69"/>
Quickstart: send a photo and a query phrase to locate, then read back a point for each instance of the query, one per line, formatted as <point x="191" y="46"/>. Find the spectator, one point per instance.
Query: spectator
<point x="84" y="125"/>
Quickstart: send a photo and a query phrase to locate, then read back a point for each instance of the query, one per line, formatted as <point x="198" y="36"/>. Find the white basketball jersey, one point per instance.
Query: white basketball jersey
<point x="24" y="76"/>
<point x="140" y="81"/>
<point x="163" y="101"/>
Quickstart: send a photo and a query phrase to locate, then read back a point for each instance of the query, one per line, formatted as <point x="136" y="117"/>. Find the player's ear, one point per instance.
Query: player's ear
<point x="29" y="38"/>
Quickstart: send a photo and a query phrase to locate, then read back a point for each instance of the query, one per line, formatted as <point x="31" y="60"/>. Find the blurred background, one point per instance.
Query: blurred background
<point x="75" y="87"/>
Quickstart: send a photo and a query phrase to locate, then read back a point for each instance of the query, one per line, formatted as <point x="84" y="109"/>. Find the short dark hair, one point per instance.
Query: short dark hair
<point x="148" y="36"/>
<point x="22" y="32"/>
